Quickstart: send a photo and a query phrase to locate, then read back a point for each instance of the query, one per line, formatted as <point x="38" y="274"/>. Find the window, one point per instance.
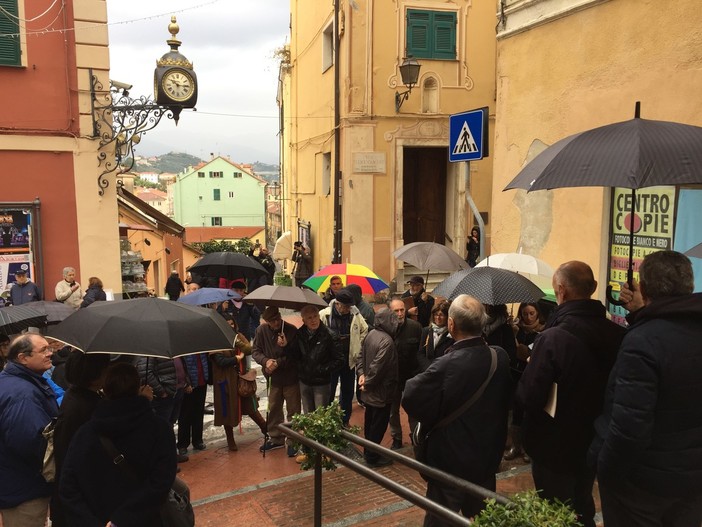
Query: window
<point x="10" y="50"/>
<point x="200" y="174"/>
<point x="237" y="174"/>
<point x="328" y="47"/>
<point x="431" y="34"/>
<point x="215" y="194"/>
<point x="216" y="221"/>
<point x="326" y="174"/>
<point x="231" y="194"/>
<point x="216" y="174"/>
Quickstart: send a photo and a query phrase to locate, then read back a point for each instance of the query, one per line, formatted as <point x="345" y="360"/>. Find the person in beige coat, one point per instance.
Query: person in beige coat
<point x="68" y="290"/>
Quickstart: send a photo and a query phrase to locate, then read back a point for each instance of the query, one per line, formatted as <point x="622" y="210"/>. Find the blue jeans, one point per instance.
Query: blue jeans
<point x="348" y="386"/>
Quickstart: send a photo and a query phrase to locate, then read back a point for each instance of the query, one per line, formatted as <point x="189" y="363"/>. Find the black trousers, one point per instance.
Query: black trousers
<point x="374" y="426"/>
<point x="455" y="500"/>
<point x="626" y="505"/>
<point x="573" y="487"/>
<point x="192" y="414"/>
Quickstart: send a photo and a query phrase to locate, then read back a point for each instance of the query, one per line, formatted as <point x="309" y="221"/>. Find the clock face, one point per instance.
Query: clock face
<point x="178" y="85"/>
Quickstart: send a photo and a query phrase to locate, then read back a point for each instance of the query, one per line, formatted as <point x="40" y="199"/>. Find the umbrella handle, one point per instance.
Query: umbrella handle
<point x="629" y="280"/>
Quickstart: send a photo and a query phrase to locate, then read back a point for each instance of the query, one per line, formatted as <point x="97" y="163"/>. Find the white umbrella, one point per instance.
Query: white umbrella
<point x="283" y="247"/>
<point x="519" y="263"/>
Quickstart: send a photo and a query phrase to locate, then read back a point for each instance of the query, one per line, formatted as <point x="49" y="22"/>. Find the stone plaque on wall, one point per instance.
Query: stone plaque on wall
<point x="369" y="162"/>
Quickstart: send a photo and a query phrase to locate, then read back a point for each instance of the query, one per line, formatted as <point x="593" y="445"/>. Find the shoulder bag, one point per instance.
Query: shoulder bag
<point x="48" y="469"/>
<point x="420" y="434"/>
<point x="176" y="511"/>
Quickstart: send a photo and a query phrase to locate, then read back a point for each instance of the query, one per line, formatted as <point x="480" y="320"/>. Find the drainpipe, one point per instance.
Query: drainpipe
<point x="337" y="141"/>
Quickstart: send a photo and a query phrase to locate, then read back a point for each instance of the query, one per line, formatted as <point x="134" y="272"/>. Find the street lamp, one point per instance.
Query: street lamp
<point x="409" y="71"/>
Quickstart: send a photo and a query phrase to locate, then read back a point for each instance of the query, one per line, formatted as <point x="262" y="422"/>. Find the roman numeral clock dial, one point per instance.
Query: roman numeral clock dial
<point x="178" y="85"/>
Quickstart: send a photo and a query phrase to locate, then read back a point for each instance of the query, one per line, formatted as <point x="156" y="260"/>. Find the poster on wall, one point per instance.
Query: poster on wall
<point x="15" y="245"/>
<point x="303" y="233"/>
<point x="653" y="219"/>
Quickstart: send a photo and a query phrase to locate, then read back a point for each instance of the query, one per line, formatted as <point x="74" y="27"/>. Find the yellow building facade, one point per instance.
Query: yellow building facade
<point x="566" y="66"/>
<point x="395" y="184"/>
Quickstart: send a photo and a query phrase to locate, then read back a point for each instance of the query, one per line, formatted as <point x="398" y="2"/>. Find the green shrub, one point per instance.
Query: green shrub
<point x="527" y="510"/>
<point x="282" y="279"/>
<point x="324" y="425"/>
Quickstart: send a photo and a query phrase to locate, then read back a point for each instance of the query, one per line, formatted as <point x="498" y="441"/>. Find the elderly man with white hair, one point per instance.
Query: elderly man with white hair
<point x="68" y="290"/>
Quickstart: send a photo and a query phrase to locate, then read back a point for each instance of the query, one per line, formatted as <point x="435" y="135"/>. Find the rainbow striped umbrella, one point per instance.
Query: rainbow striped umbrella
<point x="360" y="275"/>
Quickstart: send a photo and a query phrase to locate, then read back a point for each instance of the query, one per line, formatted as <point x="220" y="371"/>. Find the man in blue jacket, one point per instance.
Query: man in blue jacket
<point x="27" y="405"/>
<point x="650" y="467"/>
<point x="24" y="290"/>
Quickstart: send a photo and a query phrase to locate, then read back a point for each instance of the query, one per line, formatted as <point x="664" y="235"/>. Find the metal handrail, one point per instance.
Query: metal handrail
<point x="417" y="499"/>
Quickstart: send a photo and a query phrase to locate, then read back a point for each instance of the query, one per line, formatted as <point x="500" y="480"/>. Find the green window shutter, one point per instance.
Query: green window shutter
<point x="9" y="45"/>
<point x="216" y="194"/>
<point x="431" y="34"/>
<point x="444" y="30"/>
<point x="418" y="33"/>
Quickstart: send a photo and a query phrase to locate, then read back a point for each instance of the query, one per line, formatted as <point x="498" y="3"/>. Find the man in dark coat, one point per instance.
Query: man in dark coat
<point x="24" y="290"/>
<point x="174" y="286"/>
<point x="423" y="301"/>
<point x="273" y="348"/>
<point x="407" y="343"/>
<point x="562" y="389"/>
<point x="471" y="445"/>
<point x="302" y="263"/>
<point x="318" y="354"/>
<point x="650" y="466"/>
<point x="377" y="377"/>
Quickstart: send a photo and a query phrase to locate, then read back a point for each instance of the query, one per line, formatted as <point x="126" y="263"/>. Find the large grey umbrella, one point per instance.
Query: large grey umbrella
<point x="284" y="296"/>
<point x="228" y="265"/>
<point x="490" y="286"/>
<point x="430" y="256"/>
<point x="149" y="327"/>
<point x="631" y="154"/>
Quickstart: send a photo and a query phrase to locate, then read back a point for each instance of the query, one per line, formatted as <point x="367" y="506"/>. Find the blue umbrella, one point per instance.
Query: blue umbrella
<point x="209" y="295"/>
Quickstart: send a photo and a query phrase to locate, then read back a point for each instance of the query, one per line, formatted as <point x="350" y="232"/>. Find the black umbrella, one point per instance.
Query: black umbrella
<point x="228" y="265"/>
<point x="54" y="311"/>
<point x="490" y="286"/>
<point x="284" y="296"/>
<point x="14" y="319"/>
<point x="149" y="327"/>
<point x="631" y="154"/>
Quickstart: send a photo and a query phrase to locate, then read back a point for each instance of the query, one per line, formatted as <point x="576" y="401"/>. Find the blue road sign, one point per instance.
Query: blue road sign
<point x="468" y="135"/>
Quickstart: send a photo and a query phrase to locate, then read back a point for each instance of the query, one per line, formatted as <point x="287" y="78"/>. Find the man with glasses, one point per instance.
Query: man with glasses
<point x="27" y="405"/>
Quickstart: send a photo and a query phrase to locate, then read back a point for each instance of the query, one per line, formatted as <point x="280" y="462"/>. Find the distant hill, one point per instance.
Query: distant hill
<point x="176" y="162"/>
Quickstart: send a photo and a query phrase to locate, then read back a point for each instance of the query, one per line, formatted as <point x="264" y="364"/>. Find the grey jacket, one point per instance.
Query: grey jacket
<point x="378" y="361"/>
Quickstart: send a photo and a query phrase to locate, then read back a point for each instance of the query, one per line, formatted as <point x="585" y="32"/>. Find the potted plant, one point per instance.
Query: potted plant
<point x="527" y="510"/>
<point x="324" y="425"/>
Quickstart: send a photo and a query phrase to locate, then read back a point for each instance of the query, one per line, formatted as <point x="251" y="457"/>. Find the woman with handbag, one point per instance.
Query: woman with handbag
<point x="229" y="406"/>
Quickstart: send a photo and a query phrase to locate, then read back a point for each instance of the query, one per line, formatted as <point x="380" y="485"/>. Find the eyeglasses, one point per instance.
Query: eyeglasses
<point x="45" y="350"/>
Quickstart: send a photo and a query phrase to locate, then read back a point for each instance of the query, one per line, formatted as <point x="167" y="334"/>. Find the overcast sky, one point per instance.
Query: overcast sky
<point x="231" y="45"/>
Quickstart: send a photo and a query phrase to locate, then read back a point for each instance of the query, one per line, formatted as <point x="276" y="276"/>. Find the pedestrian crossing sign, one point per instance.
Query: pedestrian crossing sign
<point x="468" y="135"/>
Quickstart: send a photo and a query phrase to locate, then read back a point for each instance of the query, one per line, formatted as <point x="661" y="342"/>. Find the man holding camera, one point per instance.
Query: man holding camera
<point x="68" y="290"/>
<point x="303" y="263"/>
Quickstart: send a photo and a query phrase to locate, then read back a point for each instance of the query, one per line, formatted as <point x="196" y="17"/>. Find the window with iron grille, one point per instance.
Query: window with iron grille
<point x="216" y="221"/>
<point x="431" y="34"/>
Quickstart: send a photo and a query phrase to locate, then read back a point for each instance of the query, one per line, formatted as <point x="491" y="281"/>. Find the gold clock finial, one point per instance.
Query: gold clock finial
<point x="173" y="27"/>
